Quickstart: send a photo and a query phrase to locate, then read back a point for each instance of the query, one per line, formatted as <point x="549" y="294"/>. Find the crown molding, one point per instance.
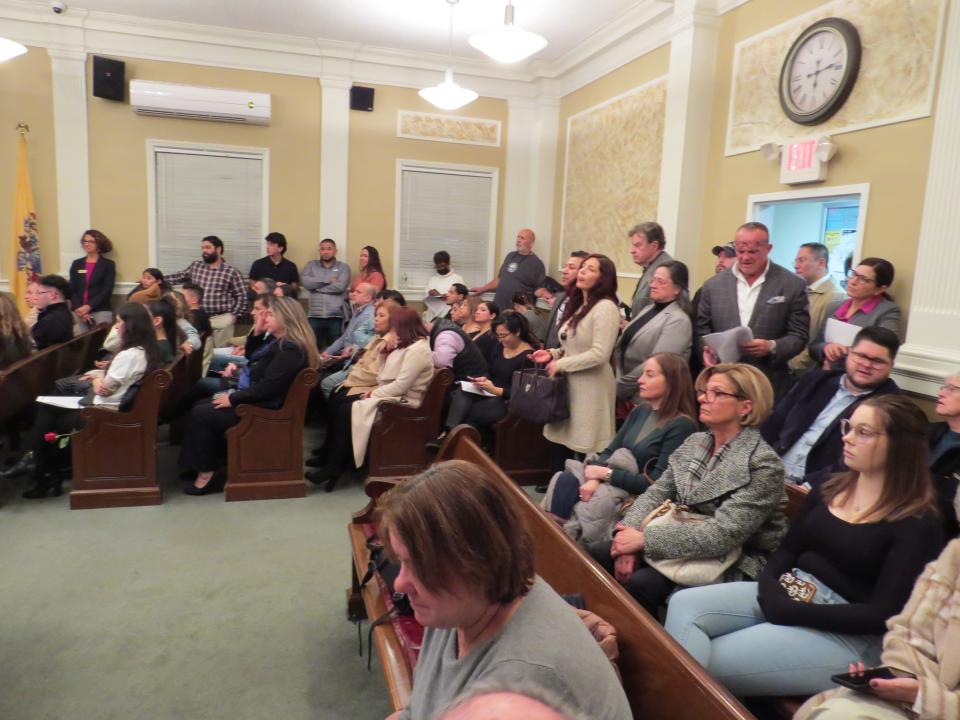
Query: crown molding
<point x="627" y="36"/>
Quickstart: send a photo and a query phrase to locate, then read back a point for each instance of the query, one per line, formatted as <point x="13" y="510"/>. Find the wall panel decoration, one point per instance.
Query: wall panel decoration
<point x="448" y="128"/>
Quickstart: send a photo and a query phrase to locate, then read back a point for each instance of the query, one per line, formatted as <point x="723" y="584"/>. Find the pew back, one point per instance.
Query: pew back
<point x="660" y="678"/>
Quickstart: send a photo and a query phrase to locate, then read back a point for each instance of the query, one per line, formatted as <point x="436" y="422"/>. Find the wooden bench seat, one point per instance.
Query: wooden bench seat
<point x="521" y="451"/>
<point x="265" y="449"/>
<point x="661" y="680"/>
<point x="115" y="454"/>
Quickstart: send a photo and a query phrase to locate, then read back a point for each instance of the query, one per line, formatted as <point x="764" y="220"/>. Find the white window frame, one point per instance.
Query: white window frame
<point x="818" y="193"/>
<point x="452" y="169"/>
<point x="188" y="148"/>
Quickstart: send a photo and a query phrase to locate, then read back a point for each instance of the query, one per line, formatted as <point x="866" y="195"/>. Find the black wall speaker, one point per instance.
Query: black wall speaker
<point x="361" y="98"/>
<point x="108" y="78"/>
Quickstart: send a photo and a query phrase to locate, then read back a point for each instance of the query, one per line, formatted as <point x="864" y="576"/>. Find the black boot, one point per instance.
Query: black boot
<point x="26" y="464"/>
<point x="45" y="484"/>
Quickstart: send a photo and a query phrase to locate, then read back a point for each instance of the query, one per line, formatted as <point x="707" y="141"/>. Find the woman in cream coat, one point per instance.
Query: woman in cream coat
<point x="664" y="326"/>
<point x="588" y="333"/>
<point x="405" y="374"/>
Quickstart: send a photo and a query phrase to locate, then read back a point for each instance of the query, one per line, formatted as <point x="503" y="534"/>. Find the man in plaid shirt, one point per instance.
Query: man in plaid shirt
<point x="224" y="292"/>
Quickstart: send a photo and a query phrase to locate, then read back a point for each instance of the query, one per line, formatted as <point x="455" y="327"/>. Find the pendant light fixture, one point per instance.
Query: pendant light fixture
<point x="508" y="43"/>
<point x="10" y="49"/>
<point x="448" y="95"/>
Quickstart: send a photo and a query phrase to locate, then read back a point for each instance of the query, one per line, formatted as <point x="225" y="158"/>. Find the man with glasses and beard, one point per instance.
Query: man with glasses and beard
<point x="224" y="291"/>
<point x="804" y="428"/>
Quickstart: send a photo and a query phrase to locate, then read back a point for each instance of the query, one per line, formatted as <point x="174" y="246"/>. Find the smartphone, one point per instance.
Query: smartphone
<point x="861" y="681"/>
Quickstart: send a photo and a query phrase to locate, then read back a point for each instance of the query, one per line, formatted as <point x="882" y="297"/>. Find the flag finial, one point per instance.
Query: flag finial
<point x="23" y="129"/>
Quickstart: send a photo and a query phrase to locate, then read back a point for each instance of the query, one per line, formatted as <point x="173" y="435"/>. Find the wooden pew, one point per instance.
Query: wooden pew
<point x="796" y="497"/>
<point x="24" y="380"/>
<point x="115" y="454"/>
<point x="521" y="451"/>
<point x="265" y="450"/>
<point x="661" y="680"/>
<point x="400" y="433"/>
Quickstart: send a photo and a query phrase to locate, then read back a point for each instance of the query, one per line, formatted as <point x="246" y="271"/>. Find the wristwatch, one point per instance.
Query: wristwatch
<point x="609" y="475"/>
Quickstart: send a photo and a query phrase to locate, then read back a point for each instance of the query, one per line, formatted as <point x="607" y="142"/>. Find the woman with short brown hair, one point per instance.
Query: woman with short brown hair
<point x="466" y="565"/>
<point x="92" y="278"/>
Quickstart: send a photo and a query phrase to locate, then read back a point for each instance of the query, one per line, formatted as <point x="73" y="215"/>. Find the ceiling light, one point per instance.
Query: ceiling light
<point x="448" y="95"/>
<point x="10" y="49"/>
<point x="508" y="43"/>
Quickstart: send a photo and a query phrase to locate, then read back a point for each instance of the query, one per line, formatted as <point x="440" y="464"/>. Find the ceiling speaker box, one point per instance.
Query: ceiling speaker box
<point x="361" y="98"/>
<point x="108" y="78"/>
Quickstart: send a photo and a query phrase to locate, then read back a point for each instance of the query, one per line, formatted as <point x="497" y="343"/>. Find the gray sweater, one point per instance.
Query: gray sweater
<point x="327" y="286"/>
<point x="544" y="643"/>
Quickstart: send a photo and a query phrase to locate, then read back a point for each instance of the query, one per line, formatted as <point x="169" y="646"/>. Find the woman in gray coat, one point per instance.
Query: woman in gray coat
<point x="727" y="473"/>
<point x="664" y="326"/>
<point x="867" y="304"/>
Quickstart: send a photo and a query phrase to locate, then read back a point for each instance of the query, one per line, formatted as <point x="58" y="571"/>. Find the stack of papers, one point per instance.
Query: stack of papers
<point x="475" y="389"/>
<point x="727" y="344"/>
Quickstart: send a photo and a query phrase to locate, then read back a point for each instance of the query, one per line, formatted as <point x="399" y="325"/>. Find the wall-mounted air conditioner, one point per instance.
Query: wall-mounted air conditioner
<point x="199" y="103"/>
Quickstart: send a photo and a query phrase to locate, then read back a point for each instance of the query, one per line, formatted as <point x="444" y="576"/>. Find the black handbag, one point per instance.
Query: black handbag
<point x="539" y="398"/>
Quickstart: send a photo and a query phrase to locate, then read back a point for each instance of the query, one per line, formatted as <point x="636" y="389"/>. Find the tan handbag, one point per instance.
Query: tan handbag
<point x="687" y="572"/>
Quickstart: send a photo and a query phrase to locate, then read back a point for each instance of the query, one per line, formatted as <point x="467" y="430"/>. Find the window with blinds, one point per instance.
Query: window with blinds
<point x="445" y="208"/>
<point x="200" y="193"/>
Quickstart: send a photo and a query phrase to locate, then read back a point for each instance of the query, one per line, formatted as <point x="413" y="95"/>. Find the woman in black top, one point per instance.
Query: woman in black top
<point x="271" y="374"/>
<point x="847" y="565"/>
<point x="484" y="338"/>
<point x="92" y="278"/>
<point x="514" y="344"/>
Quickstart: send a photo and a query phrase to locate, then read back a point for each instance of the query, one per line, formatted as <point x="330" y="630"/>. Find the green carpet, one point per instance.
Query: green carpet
<point x="194" y="609"/>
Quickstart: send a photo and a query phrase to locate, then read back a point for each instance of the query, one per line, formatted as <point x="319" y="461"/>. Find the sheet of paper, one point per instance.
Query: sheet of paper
<point x="475" y="389"/>
<point x="840" y="332"/>
<point x="435" y="303"/>
<point x="61" y="401"/>
<point x="727" y="344"/>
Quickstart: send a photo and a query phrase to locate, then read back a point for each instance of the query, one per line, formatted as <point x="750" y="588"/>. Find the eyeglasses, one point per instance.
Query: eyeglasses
<point x="873" y="361"/>
<point x="502" y="337"/>
<point x="711" y="395"/>
<point x="948" y="389"/>
<point x="853" y="274"/>
<point x="860" y="432"/>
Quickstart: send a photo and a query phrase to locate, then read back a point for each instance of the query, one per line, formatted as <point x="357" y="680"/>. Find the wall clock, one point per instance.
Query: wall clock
<point x="820" y="70"/>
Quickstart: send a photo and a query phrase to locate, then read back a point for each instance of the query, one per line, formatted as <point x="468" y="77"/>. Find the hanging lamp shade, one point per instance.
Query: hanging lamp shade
<point x="10" y="49"/>
<point x="508" y="43"/>
<point x="448" y="95"/>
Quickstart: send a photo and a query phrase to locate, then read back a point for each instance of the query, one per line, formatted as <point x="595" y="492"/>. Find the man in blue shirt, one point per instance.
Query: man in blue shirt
<point x="804" y="428"/>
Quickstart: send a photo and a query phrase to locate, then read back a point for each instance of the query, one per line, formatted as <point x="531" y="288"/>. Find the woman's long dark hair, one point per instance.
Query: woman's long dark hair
<point x="907" y="488"/>
<point x="516" y="324"/>
<point x="158" y="276"/>
<point x="605" y="289"/>
<point x="680" y="276"/>
<point x="373" y="262"/>
<point x="138" y="331"/>
<point x="164" y="309"/>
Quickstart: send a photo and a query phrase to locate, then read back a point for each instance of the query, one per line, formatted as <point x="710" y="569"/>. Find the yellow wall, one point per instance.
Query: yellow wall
<point x="893" y="159"/>
<point x="374" y="151"/>
<point x="118" y="157"/>
<point x="635" y="73"/>
<point x="27" y="97"/>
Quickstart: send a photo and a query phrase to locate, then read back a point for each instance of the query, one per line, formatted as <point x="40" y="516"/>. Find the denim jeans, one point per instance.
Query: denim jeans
<point x="222" y="357"/>
<point x="724" y="629"/>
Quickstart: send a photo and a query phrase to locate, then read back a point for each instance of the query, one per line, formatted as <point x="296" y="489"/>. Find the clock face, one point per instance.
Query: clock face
<point x="819" y="71"/>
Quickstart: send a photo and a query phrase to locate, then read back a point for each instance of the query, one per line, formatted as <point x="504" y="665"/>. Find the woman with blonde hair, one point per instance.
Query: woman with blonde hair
<point x="727" y="474"/>
<point x="14" y="335"/>
<point x="848" y="564"/>
<point x="264" y="382"/>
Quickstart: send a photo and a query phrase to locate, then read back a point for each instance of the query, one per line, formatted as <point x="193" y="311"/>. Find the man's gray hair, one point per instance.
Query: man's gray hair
<point x="650" y="230"/>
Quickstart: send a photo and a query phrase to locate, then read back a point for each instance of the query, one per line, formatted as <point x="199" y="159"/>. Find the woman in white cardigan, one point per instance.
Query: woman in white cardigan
<point x="664" y="326"/>
<point x="588" y="333"/>
<point x="405" y="374"/>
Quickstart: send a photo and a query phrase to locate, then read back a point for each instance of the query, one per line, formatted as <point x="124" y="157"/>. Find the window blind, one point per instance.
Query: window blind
<point x="199" y="194"/>
<point x="444" y="210"/>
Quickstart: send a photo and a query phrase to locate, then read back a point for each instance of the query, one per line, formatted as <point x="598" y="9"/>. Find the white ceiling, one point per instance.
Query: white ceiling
<point x="408" y="25"/>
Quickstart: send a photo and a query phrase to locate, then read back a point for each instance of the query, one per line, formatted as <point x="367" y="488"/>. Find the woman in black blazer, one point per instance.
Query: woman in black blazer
<point x="264" y="382"/>
<point x="92" y="278"/>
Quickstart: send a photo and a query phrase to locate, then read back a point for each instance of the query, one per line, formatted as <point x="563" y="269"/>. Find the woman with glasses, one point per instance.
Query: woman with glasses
<point x="727" y="473"/>
<point x="92" y="278"/>
<point x="867" y="304"/>
<point x="944" y="440"/>
<point x="484" y="401"/>
<point x="848" y="564"/>
<point x="664" y="326"/>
